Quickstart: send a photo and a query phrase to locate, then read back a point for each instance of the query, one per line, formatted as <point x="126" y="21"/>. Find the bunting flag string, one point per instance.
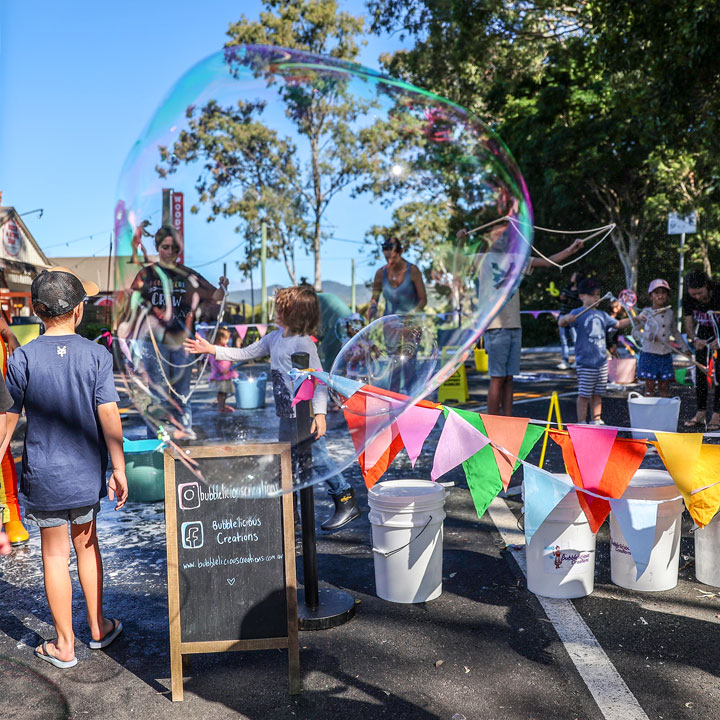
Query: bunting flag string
<point x="490" y="448"/>
<point x="623" y="461"/>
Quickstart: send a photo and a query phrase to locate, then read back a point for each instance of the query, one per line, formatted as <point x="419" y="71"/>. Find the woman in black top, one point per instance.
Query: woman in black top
<point x="166" y="301"/>
<point x="701" y="313"/>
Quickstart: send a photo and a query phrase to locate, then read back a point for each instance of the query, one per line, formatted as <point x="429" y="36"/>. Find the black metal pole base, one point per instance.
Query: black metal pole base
<point x="335" y="608"/>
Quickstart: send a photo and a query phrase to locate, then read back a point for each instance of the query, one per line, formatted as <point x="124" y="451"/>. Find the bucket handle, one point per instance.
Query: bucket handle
<point x="402" y="547"/>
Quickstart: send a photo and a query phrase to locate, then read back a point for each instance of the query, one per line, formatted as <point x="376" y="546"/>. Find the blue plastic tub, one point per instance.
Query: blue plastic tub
<point x="145" y="470"/>
<point x="250" y="391"/>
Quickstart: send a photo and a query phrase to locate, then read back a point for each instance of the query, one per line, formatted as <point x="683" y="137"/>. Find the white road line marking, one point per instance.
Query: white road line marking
<point x="604" y="682"/>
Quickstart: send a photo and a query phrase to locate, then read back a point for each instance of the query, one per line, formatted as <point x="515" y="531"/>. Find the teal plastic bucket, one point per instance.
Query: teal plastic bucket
<point x="145" y="470"/>
<point x="250" y="391"/>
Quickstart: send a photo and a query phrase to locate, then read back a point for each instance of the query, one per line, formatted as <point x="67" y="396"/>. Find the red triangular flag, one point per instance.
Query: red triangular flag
<point x="625" y="459"/>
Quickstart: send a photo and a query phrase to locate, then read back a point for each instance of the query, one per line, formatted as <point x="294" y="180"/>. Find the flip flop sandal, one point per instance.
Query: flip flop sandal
<point x="693" y="423"/>
<point x="57" y="662"/>
<point x="104" y="642"/>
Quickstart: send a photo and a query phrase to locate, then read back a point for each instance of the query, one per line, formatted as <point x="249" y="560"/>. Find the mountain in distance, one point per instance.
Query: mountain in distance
<point x="362" y="293"/>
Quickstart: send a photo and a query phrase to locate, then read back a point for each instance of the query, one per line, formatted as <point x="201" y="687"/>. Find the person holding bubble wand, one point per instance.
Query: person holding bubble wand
<point x="655" y="362"/>
<point x="166" y="300"/>
<point x="503" y="336"/>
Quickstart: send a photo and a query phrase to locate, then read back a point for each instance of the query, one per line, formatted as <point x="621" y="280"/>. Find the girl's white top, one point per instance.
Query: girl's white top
<point x="657" y="332"/>
<point x="280" y="349"/>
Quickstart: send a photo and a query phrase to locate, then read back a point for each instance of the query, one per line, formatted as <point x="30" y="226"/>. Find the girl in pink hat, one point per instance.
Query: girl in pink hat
<point x="655" y="363"/>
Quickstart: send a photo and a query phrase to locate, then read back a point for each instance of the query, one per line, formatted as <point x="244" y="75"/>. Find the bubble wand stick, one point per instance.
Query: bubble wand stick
<point x="606" y="296"/>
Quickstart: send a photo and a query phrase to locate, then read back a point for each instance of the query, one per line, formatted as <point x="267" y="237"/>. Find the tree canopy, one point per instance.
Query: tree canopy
<point x="609" y="108"/>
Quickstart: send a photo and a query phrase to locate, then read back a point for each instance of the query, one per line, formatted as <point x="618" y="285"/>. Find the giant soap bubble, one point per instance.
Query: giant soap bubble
<point x="326" y="160"/>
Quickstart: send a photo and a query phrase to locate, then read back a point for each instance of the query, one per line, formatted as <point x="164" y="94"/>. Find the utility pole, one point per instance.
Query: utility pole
<point x="353" y="303"/>
<point x="166" y="210"/>
<point x="680" y="226"/>
<point x="263" y="260"/>
<point x="681" y="273"/>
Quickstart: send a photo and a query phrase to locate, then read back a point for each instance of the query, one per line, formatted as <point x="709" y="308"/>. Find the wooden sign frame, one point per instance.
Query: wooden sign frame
<point x="178" y="648"/>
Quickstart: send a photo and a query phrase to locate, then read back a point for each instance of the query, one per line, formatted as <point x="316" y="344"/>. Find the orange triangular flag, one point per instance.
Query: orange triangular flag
<point x="624" y="461"/>
<point x="356" y="411"/>
<point x="508" y="433"/>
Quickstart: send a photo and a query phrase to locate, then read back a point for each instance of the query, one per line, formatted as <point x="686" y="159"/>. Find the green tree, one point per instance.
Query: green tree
<point x="593" y="99"/>
<point x="248" y="170"/>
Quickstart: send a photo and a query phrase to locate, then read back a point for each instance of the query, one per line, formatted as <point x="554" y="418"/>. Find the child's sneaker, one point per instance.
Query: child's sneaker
<point x="599" y="421"/>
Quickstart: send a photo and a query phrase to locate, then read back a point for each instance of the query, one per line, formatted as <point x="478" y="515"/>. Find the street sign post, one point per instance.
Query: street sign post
<point x="681" y="226"/>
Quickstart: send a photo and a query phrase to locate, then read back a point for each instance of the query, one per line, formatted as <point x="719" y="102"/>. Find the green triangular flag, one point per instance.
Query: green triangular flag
<point x="532" y="435"/>
<point x="481" y="471"/>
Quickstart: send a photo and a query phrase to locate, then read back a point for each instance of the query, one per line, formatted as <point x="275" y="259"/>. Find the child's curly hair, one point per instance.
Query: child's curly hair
<point x="298" y="309"/>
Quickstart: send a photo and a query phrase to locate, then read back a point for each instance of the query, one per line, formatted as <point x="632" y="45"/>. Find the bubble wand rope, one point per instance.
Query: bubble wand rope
<point x="594" y="232"/>
<point x="186" y="398"/>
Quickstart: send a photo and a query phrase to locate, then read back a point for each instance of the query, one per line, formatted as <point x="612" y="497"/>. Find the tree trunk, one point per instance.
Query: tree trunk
<point x="318" y="212"/>
<point x="627" y="252"/>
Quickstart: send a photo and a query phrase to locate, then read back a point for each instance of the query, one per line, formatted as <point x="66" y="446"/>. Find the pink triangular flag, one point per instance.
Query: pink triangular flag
<point x="535" y="313"/>
<point x="592" y="446"/>
<point x="377" y="423"/>
<point x="459" y="441"/>
<point x="262" y="329"/>
<point x="241" y="331"/>
<point x="305" y="391"/>
<point x="414" y="425"/>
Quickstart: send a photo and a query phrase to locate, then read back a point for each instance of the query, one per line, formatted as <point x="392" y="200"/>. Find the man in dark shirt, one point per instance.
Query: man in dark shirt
<point x="701" y="302"/>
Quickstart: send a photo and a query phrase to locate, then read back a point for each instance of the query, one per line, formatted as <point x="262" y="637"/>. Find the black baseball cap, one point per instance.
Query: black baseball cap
<point x="59" y="289"/>
<point x="588" y="286"/>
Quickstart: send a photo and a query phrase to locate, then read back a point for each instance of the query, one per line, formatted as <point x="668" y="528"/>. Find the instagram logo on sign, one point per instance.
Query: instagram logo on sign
<point x="189" y="495"/>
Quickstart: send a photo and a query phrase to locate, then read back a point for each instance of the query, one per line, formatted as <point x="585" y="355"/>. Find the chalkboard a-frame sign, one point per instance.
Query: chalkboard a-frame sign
<point x="230" y="558"/>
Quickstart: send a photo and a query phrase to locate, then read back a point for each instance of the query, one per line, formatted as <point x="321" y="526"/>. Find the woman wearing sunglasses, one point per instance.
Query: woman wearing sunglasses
<point x="168" y="299"/>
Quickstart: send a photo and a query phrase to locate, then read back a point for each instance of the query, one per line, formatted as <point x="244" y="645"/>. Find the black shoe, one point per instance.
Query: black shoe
<point x="346" y="510"/>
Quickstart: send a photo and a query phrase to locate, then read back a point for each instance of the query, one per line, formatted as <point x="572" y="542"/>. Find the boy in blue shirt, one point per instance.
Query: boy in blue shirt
<point x="590" y="349"/>
<point x="65" y="385"/>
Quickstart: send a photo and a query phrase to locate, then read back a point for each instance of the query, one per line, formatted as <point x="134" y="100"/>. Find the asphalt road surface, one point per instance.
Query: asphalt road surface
<point x="486" y="649"/>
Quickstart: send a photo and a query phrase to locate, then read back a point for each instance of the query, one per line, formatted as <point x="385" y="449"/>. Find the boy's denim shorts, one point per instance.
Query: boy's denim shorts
<point x="57" y="518"/>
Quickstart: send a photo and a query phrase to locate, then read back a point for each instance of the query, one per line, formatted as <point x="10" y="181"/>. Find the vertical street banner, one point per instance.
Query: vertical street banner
<point x="176" y="216"/>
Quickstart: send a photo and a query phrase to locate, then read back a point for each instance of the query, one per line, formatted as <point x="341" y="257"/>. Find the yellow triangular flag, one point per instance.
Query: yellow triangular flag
<point x="693" y="466"/>
<point x="704" y="504"/>
<point x="681" y="452"/>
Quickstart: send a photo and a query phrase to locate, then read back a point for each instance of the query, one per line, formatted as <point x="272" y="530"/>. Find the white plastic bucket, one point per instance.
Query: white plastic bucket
<point x="406" y="518"/>
<point x="561" y="555"/>
<point x="653" y="413"/>
<point x="707" y="553"/>
<point x="662" y="570"/>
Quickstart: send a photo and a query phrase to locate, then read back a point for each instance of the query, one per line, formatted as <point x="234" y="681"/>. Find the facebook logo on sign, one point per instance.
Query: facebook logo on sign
<point x="192" y="535"/>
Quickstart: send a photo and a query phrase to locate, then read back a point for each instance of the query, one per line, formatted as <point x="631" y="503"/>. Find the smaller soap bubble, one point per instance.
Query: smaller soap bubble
<point x="396" y="353"/>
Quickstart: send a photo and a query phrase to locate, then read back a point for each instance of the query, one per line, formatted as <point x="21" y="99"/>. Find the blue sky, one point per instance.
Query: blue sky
<point x="80" y="81"/>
